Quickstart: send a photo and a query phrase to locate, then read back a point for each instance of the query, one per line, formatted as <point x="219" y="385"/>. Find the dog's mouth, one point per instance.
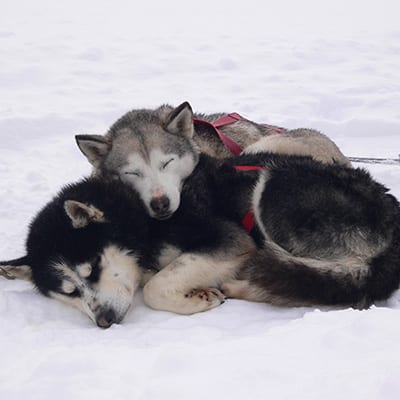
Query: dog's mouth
<point x="163" y="217"/>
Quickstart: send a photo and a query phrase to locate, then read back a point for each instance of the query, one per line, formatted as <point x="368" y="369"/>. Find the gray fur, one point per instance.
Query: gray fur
<point x="125" y="151"/>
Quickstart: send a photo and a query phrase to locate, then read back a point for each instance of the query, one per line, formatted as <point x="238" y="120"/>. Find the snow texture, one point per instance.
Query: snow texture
<point x="75" y="67"/>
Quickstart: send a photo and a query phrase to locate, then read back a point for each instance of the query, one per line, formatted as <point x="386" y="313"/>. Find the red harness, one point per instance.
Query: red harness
<point x="248" y="220"/>
<point x="227" y="120"/>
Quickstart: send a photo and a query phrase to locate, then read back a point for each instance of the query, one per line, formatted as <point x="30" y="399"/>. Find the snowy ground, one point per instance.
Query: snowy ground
<point x="74" y="67"/>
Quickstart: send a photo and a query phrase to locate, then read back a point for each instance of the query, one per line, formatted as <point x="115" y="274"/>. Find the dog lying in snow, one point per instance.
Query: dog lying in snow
<point x="326" y="234"/>
<point x="154" y="151"/>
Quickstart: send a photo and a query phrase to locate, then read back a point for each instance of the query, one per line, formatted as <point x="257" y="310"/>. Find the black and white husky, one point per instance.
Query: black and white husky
<point x="326" y="235"/>
<point x="154" y="151"/>
<point x="94" y="244"/>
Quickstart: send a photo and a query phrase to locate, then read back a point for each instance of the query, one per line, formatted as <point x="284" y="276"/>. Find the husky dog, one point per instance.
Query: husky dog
<point x="327" y="235"/>
<point x="330" y="234"/>
<point x="154" y="151"/>
<point x="94" y="244"/>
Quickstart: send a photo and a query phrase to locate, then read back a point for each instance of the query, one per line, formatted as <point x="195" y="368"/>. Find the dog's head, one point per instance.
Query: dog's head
<point x="77" y="258"/>
<point x="151" y="150"/>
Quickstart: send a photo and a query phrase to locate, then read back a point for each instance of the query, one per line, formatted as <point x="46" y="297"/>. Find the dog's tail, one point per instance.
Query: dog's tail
<point x="282" y="279"/>
<point x="17" y="268"/>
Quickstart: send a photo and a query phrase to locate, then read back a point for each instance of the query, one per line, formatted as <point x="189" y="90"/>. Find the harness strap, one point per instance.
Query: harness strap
<point x="234" y="148"/>
<point x="248" y="221"/>
<point x="249" y="168"/>
<point x="228" y="119"/>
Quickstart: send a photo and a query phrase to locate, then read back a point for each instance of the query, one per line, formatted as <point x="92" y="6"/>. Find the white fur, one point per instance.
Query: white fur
<point x="257" y="193"/>
<point x="119" y="278"/>
<point x="168" y="290"/>
<point x="167" y="255"/>
<point x="84" y="270"/>
<point x="301" y="142"/>
<point x="155" y="180"/>
<point x="68" y="287"/>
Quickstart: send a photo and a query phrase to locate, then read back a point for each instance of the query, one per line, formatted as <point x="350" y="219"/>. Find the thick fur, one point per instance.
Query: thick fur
<point x="331" y="235"/>
<point x="93" y="244"/>
<point x="256" y="138"/>
<point x="327" y="234"/>
<point x="154" y="151"/>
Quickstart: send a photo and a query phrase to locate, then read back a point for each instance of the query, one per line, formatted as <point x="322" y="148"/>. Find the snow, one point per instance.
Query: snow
<point x="75" y="67"/>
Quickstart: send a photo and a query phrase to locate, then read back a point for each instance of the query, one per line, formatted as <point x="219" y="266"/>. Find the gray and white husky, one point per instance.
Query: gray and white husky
<point x="154" y="151"/>
<point x="326" y="234"/>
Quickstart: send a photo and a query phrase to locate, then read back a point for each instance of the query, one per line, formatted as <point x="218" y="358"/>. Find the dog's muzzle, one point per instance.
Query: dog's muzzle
<point x="106" y="318"/>
<point x="160" y="206"/>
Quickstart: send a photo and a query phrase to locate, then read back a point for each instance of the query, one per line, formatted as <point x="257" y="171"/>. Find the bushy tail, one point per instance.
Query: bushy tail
<point x="287" y="280"/>
<point x="16" y="261"/>
<point x="17" y="268"/>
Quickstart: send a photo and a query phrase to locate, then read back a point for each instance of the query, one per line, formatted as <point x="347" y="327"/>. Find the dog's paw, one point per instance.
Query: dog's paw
<point x="212" y="296"/>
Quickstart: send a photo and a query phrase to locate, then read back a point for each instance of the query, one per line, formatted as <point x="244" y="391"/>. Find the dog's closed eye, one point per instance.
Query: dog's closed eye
<point x="165" y="164"/>
<point x="134" y="173"/>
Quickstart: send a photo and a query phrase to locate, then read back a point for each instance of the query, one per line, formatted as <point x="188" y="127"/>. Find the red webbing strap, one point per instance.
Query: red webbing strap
<point x="248" y="220"/>
<point x="233" y="117"/>
<point x="234" y="148"/>
<point x="248" y="168"/>
<point x="228" y="119"/>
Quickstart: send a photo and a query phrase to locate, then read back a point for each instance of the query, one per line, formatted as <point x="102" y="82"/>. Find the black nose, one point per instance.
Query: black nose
<point x="160" y="205"/>
<point x="106" y="318"/>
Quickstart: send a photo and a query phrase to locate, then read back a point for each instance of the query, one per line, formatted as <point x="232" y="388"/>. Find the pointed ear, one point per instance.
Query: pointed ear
<point x="180" y="121"/>
<point x="94" y="147"/>
<point x="16" y="272"/>
<point x="82" y="214"/>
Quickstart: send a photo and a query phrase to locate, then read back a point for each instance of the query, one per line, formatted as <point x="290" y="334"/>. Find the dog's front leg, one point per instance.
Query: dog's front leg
<point x="189" y="284"/>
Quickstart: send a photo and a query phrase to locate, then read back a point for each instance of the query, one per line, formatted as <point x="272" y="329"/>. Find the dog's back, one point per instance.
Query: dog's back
<point x="331" y="236"/>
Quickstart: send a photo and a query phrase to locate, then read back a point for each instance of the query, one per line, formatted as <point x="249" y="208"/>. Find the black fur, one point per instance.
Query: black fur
<point x="52" y="237"/>
<point x="308" y="209"/>
<point x="323" y="212"/>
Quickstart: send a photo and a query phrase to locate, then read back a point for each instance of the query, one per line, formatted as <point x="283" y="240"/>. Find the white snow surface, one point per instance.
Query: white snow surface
<point x="75" y="67"/>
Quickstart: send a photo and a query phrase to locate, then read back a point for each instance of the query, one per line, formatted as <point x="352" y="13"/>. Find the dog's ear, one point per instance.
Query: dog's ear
<point x="180" y="120"/>
<point x="94" y="147"/>
<point x="16" y="272"/>
<point x="82" y="214"/>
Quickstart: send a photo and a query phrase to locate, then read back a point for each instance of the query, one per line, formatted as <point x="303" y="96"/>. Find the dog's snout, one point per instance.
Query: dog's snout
<point x="106" y="319"/>
<point x="160" y="205"/>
